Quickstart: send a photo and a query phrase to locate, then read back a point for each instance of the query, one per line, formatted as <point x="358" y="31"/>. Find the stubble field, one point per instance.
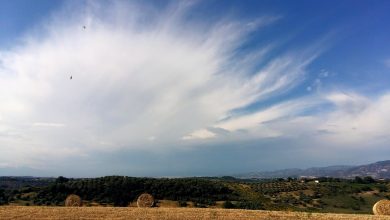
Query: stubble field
<point x="40" y="212"/>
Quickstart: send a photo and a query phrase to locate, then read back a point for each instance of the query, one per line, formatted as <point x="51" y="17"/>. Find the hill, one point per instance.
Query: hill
<point x="17" y="182"/>
<point x="378" y="170"/>
<point x="308" y="195"/>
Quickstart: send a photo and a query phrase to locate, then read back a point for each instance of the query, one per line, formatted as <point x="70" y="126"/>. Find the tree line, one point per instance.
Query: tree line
<point x="121" y="190"/>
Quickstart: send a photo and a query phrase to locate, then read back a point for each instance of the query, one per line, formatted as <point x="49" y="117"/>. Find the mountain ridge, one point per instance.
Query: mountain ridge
<point x="377" y="170"/>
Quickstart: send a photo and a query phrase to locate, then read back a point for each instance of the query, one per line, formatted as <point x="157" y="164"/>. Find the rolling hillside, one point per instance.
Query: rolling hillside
<point x="377" y="170"/>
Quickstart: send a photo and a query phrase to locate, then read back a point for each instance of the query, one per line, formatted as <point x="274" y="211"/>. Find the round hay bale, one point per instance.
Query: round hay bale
<point x="73" y="200"/>
<point x="382" y="207"/>
<point x="145" y="200"/>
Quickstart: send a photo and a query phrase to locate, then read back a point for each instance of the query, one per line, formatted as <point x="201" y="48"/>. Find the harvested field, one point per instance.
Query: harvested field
<point x="40" y="212"/>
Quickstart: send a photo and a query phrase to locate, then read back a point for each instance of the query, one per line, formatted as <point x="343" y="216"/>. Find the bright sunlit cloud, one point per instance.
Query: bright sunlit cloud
<point x="131" y="76"/>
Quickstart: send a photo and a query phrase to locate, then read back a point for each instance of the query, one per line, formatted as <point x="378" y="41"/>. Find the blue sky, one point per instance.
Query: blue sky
<point x="169" y="88"/>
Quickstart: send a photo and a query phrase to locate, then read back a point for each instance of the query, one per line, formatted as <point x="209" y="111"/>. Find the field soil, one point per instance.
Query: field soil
<point x="42" y="212"/>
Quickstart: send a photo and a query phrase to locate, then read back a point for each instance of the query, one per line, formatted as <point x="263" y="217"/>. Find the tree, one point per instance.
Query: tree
<point x="368" y="179"/>
<point x="358" y="179"/>
<point x="62" y="179"/>
<point x="3" y="197"/>
<point x="228" y="205"/>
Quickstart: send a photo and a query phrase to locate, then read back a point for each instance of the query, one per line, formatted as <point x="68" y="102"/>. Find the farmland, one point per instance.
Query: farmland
<point x="322" y="195"/>
<point x="43" y="212"/>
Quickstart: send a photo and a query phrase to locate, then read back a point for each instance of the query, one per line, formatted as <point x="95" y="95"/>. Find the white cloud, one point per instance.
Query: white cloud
<point x="157" y="81"/>
<point x="354" y="122"/>
<point x="323" y="74"/>
<point x="199" y="134"/>
<point x="45" y="124"/>
<point x="335" y="120"/>
<point x="275" y="112"/>
<point x="4" y="165"/>
<point x="348" y="102"/>
<point x="359" y="121"/>
<point x="140" y="80"/>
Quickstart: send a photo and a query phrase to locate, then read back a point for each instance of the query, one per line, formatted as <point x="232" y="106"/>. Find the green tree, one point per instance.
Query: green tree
<point x="228" y="205"/>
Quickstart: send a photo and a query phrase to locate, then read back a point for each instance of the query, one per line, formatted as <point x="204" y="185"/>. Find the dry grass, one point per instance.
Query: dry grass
<point x="167" y="204"/>
<point x="41" y="212"/>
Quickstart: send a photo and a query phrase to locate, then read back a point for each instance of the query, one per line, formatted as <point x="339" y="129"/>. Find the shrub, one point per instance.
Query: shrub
<point x="228" y="205"/>
<point x="182" y="203"/>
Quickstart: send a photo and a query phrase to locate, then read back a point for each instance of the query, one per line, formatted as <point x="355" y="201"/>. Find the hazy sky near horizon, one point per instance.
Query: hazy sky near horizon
<point x="185" y="88"/>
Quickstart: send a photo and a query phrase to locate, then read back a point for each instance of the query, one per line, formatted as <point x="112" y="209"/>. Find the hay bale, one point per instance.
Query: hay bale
<point x="382" y="207"/>
<point x="73" y="200"/>
<point x="145" y="200"/>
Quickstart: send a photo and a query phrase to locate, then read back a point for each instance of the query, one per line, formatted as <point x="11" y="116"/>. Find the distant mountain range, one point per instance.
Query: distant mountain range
<point x="378" y="170"/>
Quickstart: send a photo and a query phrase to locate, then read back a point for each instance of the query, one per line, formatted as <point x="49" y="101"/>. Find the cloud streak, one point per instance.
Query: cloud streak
<point x="135" y="76"/>
<point x="157" y="80"/>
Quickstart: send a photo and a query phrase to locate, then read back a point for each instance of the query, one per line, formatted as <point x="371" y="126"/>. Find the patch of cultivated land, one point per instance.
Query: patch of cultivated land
<point x="39" y="212"/>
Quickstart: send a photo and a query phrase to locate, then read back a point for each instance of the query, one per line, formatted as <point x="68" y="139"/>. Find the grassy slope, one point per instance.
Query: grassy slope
<point x="340" y="203"/>
<point x="334" y="197"/>
<point x="42" y="212"/>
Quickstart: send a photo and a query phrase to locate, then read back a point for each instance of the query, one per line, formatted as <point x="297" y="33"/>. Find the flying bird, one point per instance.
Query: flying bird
<point x="84" y="27"/>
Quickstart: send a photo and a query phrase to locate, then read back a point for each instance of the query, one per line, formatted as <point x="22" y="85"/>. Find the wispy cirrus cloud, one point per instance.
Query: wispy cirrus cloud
<point x="348" y="121"/>
<point x="46" y="124"/>
<point x="135" y="76"/>
<point x="359" y="121"/>
<point x="157" y="80"/>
